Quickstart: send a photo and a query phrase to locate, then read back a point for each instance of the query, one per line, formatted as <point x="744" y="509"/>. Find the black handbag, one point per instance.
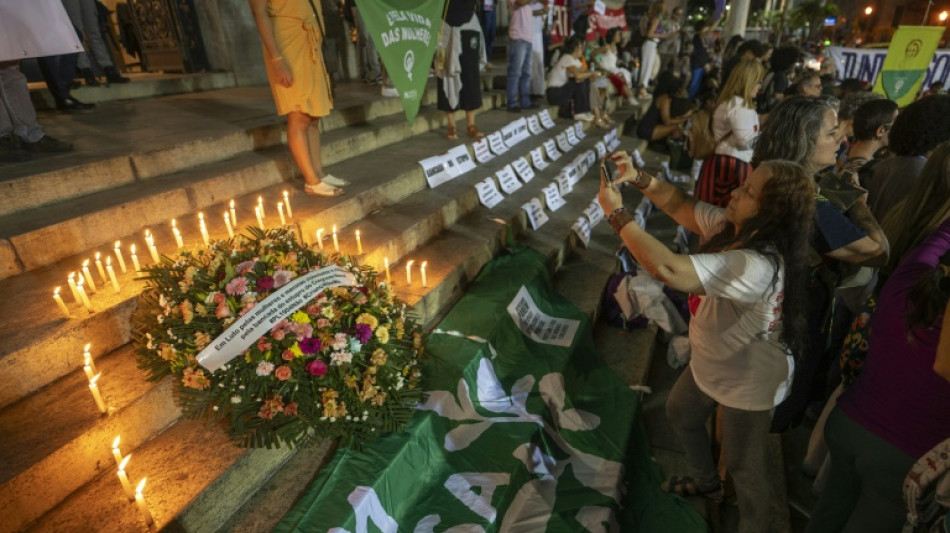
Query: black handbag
<point x="328" y="49"/>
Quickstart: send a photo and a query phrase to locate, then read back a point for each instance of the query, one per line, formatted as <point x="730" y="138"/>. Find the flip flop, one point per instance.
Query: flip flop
<point x="322" y="189"/>
<point x="686" y="486"/>
<point x="334" y="181"/>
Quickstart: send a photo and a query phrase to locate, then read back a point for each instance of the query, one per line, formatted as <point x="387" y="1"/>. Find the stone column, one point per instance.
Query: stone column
<point x="738" y="17"/>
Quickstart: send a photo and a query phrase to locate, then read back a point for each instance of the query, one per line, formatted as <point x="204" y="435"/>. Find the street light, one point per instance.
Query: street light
<point x="868" y="10"/>
<point x="942" y="16"/>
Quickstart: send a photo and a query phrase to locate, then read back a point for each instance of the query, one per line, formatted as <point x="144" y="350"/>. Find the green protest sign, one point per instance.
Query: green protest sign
<point x="405" y="35"/>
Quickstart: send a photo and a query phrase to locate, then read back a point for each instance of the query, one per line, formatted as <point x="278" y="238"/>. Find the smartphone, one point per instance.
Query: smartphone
<point x="607" y="172"/>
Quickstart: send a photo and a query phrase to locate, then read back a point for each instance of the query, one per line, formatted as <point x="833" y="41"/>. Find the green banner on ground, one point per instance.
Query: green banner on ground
<point x="908" y="56"/>
<point x="524" y="429"/>
<point x="405" y="35"/>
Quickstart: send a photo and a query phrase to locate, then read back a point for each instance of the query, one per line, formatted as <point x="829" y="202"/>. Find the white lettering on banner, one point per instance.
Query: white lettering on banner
<point x="395" y="16"/>
<point x="366" y="507"/>
<point x="436" y="170"/>
<point x="538" y="159"/>
<point x="582" y="229"/>
<point x="506" y="178"/>
<point x="461" y="160"/>
<point x="482" y="153"/>
<point x="497" y="143"/>
<point x="276" y="307"/>
<point x="546" y="119"/>
<point x="523" y="168"/>
<point x="552" y="197"/>
<point x="428" y="523"/>
<point x="460" y="485"/>
<point x="551" y="149"/>
<point x="571" y="136"/>
<point x="594" y="213"/>
<point x="601" y="148"/>
<point x="536" y="215"/>
<point x="534" y="125"/>
<point x="865" y="65"/>
<point x="579" y="130"/>
<point x="488" y="193"/>
<point x="562" y="142"/>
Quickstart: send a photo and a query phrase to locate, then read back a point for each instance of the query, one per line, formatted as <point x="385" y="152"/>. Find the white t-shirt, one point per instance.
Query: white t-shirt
<point x="737" y="358"/>
<point x="559" y="75"/>
<point x="737" y="126"/>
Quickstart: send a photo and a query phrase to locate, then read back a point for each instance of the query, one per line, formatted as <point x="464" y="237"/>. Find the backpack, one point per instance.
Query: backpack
<point x="700" y="141"/>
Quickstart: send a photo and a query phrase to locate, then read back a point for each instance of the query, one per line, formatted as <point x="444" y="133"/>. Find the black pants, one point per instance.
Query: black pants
<point x="572" y="98"/>
<point x="58" y="72"/>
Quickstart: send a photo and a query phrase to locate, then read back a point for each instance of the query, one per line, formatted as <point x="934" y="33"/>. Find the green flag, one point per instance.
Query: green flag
<point x="908" y="56"/>
<point x="524" y="429"/>
<point x="405" y="35"/>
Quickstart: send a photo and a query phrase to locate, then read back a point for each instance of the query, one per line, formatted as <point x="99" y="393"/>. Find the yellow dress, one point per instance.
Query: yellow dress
<point x="300" y="39"/>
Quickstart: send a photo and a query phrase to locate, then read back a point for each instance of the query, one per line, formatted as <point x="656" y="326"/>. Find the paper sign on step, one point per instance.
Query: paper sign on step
<point x="591" y="158"/>
<point x="538" y="326"/>
<point x="572" y="137"/>
<point x="523" y="168"/>
<point x="460" y="160"/>
<point x="535" y="125"/>
<point x="582" y="229"/>
<point x="509" y="133"/>
<point x="538" y="159"/>
<point x="579" y="129"/>
<point x="488" y="193"/>
<point x="496" y="143"/>
<point x="536" y="215"/>
<point x="506" y="178"/>
<point x="521" y="129"/>
<point x="601" y="149"/>
<point x="638" y="159"/>
<point x="546" y="120"/>
<point x="564" y="184"/>
<point x="580" y="163"/>
<point x="613" y="145"/>
<point x="552" y="197"/>
<point x="551" y="149"/>
<point x="562" y="142"/>
<point x="436" y="170"/>
<point x="572" y="174"/>
<point x="482" y="153"/>
<point x="594" y="213"/>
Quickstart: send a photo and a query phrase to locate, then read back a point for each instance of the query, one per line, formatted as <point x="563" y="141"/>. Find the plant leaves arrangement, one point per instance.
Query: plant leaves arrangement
<point x="343" y="366"/>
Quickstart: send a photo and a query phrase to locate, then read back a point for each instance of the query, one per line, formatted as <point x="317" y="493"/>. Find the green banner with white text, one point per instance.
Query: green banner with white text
<point x="524" y="430"/>
<point x="908" y="56"/>
<point x="405" y="34"/>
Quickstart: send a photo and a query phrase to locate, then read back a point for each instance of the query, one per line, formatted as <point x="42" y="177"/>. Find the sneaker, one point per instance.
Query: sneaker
<point x="10" y="150"/>
<point x="586" y="117"/>
<point x="48" y="145"/>
<point x="390" y="92"/>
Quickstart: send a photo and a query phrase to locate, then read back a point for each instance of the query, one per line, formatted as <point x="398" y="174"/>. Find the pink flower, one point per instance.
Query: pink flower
<point x="279" y="331"/>
<point x="303" y="331"/>
<point x="265" y="283"/>
<point x="287" y="355"/>
<point x="282" y="277"/>
<point x="313" y="309"/>
<point x="283" y="373"/>
<point x="247" y="307"/>
<point x="290" y="409"/>
<point x="244" y="267"/>
<point x="317" y="367"/>
<point x="264" y="368"/>
<point x="263" y="345"/>
<point x="223" y="311"/>
<point x="322" y="323"/>
<point x="219" y="297"/>
<point x="360" y="300"/>
<point x="236" y="286"/>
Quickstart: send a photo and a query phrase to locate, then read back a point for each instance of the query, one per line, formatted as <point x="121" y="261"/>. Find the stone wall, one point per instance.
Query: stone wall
<point x="231" y="39"/>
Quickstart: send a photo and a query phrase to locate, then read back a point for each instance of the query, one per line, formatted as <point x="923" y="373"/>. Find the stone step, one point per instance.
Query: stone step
<point x="142" y="85"/>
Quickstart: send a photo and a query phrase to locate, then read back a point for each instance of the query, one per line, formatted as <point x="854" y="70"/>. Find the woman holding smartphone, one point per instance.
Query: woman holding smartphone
<point x="747" y="289"/>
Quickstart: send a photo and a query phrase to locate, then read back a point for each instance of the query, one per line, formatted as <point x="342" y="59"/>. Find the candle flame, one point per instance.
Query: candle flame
<point x="386" y="261"/>
<point x="109" y="261"/>
<point x="423" y="266"/>
<point x="409" y="264"/>
<point x="227" y="216"/>
<point x="334" y="228"/>
<point x="125" y="461"/>
<point x="201" y="216"/>
<point x="71" y="275"/>
<point x="86" y="347"/>
<point x="117" y="243"/>
<point x="56" y="291"/>
<point x="147" y="233"/>
<point x="285" y="194"/>
<point x="232" y="204"/>
<point x="115" y="443"/>
<point x="174" y="224"/>
<point x="79" y="281"/>
<point x="85" y="263"/>
<point x="94" y="379"/>
<point x="260" y="200"/>
<point x="97" y="256"/>
<point x="280" y="205"/>
<point x="133" y="249"/>
<point x="140" y="487"/>
<point x="357" y="234"/>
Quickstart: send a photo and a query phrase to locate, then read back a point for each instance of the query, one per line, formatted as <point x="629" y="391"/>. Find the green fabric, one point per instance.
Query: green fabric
<point x="908" y="57"/>
<point x="561" y="406"/>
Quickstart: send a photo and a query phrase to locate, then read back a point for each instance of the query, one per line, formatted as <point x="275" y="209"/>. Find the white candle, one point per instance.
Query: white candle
<point x="290" y="212"/>
<point x="359" y="243"/>
<point x="150" y="241"/>
<point x="83" y="296"/>
<point x="60" y="303"/>
<point x="89" y="373"/>
<point x="260" y="216"/>
<point x="233" y="214"/>
<point x="87" y="359"/>
<point x="140" y="502"/>
<point x="227" y="224"/>
<point x="260" y="203"/>
<point x="135" y="260"/>
<point x="109" y="269"/>
<point x="116" y="453"/>
<point x="204" y="229"/>
<point x="336" y="243"/>
<point x="118" y="256"/>
<point x="86" y="274"/>
<point x="389" y="279"/>
<point x="71" y="279"/>
<point x="123" y="478"/>
<point x="178" y="239"/>
<point x="95" y="393"/>
<point x="102" y="273"/>
<point x="422" y="270"/>
<point x="320" y="238"/>
<point x="409" y="272"/>
<point x="280" y="211"/>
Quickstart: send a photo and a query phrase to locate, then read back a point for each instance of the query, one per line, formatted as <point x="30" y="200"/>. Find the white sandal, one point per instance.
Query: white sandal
<point x="334" y="181"/>
<point x="321" y="189"/>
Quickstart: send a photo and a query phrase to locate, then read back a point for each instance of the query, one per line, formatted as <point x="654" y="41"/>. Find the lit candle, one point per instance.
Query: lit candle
<point x="135" y="260"/>
<point x="359" y="243"/>
<point x="140" y="502"/>
<point x="123" y="478"/>
<point x="150" y="241"/>
<point x="118" y="256"/>
<point x="290" y="212"/>
<point x="60" y="303"/>
<point x="87" y="359"/>
<point x="115" y="282"/>
<point x="71" y="279"/>
<point x="233" y="214"/>
<point x="86" y="274"/>
<point x="227" y="224"/>
<point x="422" y="270"/>
<point x="178" y="239"/>
<point x="336" y="243"/>
<point x="116" y="453"/>
<point x="89" y="373"/>
<point x="83" y="296"/>
<point x="409" y="272"/>
<point x="102" y="273"/>
<point x="280" y="211"/>
<point x="260" y="217"/>
<point x="260" y="203"/>
<point x="320" y="238"/>
<point x="389" y="279"/>
<point x="204" y="229"/>
<point x="95" y="393"/>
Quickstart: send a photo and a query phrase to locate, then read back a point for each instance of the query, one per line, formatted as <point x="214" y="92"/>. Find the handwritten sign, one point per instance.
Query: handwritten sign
<point x="482" y="152"/>
<point x="521" y="129"/>
<point x="572" y="137"/>
<point x="535" y="125"/>
<point x="551" y="149"/>
<point x="564" y="184"/>
<point x="546" y="119"/>
<point x="552" y="197"/>
<point x="497" y="143"/>
<point x="509" y="134"/>
<point x="538" y="159"/>
<point x="562" y="142"/>
<point x="488" y="193"/>
<point x="572" y="173"/>
<point x="506" y="178"/>
<point x="436" y="170"/>
<point x="582" y="229"/>
<point x="523" y="168"/>
<point x="536" y="215"/>
<point x="579" y="130"/>
<point x="460" y="161"/>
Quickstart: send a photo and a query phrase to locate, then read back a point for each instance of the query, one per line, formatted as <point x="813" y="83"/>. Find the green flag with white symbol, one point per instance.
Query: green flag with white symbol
<point x="524" y="430"/>
<point x="405" y="34"/>
<point x="908" y="57"/>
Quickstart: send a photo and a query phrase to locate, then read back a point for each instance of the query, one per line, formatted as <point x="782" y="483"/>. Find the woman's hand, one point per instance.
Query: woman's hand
<point x="609" y="197"/>
<point x="284" y="76"/>
<point x="629" y="173"/>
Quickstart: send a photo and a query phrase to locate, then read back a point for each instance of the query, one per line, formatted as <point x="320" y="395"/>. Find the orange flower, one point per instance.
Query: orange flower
<point x="195" y="379"/>
<point x="283" y="373"/>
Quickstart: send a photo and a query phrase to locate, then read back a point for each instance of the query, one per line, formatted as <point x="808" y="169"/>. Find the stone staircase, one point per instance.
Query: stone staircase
<point x="58" y="471"/>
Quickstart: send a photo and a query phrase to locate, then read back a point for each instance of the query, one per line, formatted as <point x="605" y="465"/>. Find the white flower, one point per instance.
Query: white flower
<point x="339" y="341"/>
<point x="240" y="387"/>
<point x="215" y="407"/>
<point x="327" y="312"/>
<point x="161" y="319"/>
<point x="235" y="399"/>
<point x="264" y="368"/>
<point x="332" y="419"/>
<point x="338" y="358"/>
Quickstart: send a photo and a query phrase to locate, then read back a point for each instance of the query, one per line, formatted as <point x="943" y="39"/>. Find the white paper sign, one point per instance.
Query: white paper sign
<point x="594" y="213"/>
<point x="535" y="125"/>
<point x="564" y="184"/>
<point x="601" y="149"/>
<point x="572" y="137"/>
<point x="613" y="144"/>
<point x="552" y="197"/>
<point x="537" y="158"/>
<point x="546" y="119"/>
<point x="488" y="193"/>
<point x="521" y="130"/>
<point x="638" y="159"/>
<point x="459" y="161"/>
<point x="600" y="7"/>
<point x="591" y="158"/>
<point x="580" y="163"/>
<point x="538" y="326"/>
<point x="536" y="215"/>
<point x="582" y="229"/>
<point x="551" y="149"/>
<point x="523" y="168"/>
<point x="482" y="153"/>
<point x="562" y="142"/>
<point x="506" y="177"/>
<point x="579" y="130"/>
<point x="284" y="302"/>
<point x="436" y="170"/>
<point x="572" y="174"/>
<point x="496" y="143"/>
<point x="509" y="134"/>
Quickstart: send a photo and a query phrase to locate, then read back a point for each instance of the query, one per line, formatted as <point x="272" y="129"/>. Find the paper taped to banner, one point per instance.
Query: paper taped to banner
<point x="539" y="326"/>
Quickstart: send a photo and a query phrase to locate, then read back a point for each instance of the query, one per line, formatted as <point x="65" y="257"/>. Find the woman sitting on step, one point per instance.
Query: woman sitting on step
<point x="658" y="123"/>
<point x="569" y="82"/>
<point x="748" y="305"/>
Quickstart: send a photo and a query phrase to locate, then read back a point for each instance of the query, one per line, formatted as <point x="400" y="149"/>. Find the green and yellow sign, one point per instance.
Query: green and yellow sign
<point x="905" y="65"/>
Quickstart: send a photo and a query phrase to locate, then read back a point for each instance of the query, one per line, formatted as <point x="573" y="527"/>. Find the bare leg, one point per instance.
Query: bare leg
<point x="470" y="118"/>
<point x="317" y="155"/>
<point x="472" y="130"/>
<point x="298" y="140"/>
<point x="662" y="131"/>
<point x="450" y="125"/>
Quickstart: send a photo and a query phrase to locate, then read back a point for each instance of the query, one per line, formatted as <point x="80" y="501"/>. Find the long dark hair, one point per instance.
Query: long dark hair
<point x="781" y="231"/>
<point x="928" y="298"/>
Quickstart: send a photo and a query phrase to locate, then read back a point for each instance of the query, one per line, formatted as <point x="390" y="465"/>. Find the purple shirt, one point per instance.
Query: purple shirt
<point x="521" y="22"/>
<point x="899" y="397"/>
